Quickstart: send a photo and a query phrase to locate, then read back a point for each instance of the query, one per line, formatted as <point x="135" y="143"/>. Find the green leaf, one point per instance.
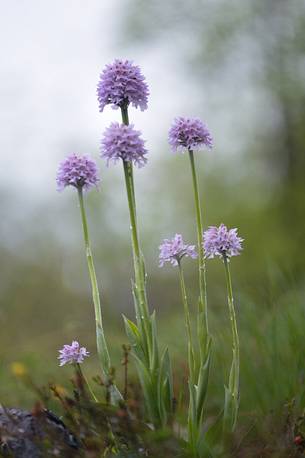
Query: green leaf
<point x="202" y="387"/>
<point x="192" y="404"/>
<point x="137" y="303"/>
<point x="154" y="359"/>
<point x="228" y="411"/>
<point x="148" y="387"/>
<point x="213" y="435"/>
<point x="168" y="379"/>
<point x="192" y="423"/>
<point x="134" y="336"/>
<point x="165" y="387"/>
<point x="102" y="350"/>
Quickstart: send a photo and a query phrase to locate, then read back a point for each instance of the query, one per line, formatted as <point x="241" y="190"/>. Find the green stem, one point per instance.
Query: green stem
<point x="148" y="342"/>
<point x="143" y="315"/>
<point x="125" y="120"/>
<point x="124" y="113"/>
<point x="139" y="274"/>
<point x="234" y="374"/>
<point x="187" y="324"/>
<point x="80" y="372"/>
<point x="100" y="336"/>
<point x="202" y="270"/>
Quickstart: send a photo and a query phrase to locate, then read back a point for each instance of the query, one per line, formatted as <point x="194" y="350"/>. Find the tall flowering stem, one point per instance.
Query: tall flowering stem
<point x="155" y="374"/>
<point x="193" y="429"/>
<point x="232" y="391"/>
<point x="190" y="134"/>
<point x="224" y="243"/>
<point x="125" y="120"/>
<point x="173" y="251"/>
<point x="187" y="317"/>
<point x="201" y="261"/>
<point x="142" y="313"/>
<point x="102" y="348"/>
<point x="80" y="172"/>
<point x="122" y="84"/>
<point x="101" y="341"/>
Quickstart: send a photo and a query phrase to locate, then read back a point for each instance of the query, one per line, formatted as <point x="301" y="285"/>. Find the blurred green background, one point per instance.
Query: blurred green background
<point x="240" y="66"/>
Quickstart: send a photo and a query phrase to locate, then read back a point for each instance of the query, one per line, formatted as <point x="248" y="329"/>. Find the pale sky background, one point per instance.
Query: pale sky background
<point x="52" y="54"/>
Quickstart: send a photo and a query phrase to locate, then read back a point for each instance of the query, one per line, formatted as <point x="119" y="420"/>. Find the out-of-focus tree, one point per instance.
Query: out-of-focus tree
<point x="263" y="40"/>
<point x="216" y="34"/>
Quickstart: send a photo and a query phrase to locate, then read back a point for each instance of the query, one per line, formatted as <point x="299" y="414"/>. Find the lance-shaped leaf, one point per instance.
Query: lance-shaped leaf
<point x="212" y="436"/>
<point x="154" y="357"/>
<point x="148" y="386"/>
<point x="230" y="412"/>
<point x="102" y="350"/>
<point x="134" y="337"/>
<point x="165" y="387"/>
<point x="192" y="423"/>
<point x="203" y="380"/>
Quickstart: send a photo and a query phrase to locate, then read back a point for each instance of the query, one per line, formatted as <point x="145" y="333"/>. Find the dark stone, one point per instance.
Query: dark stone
<point x="27" y="435"/>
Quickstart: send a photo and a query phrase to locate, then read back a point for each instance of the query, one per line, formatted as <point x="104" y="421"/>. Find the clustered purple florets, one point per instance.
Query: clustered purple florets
<point x="77" y="171"/>
<point x="221" y="241"/>
<point x="122" y="83"/>
<point x="123" y="142"/>
<point x="72" y="354"/>
<point x="189" y="133"/>
<point x="174" y="250"/>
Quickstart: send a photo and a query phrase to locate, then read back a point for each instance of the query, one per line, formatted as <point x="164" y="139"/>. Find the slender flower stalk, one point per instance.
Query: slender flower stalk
<point x="125" y="120"/>
<point x="202" y="269"/>
<point x="142" y="313"/>
<point x="188" y="134"/>
<point x="225" y="243"/>
<point x="137" y="256"/>
<point x="173" y="251"/>
<point x="83" y="378"/>
<point x="193" y="429"/>
<point x="120" y="85"/>
<point x="102" y="348"/>
<point x="230" y="418"/>
<point x="81" y="173"/>
<point x="191" y="134"/>
<point x="147" y="358"/>
<point x="187" y="318"/>
<point x="101" y="341"/>
<point x="159" y="404"/>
